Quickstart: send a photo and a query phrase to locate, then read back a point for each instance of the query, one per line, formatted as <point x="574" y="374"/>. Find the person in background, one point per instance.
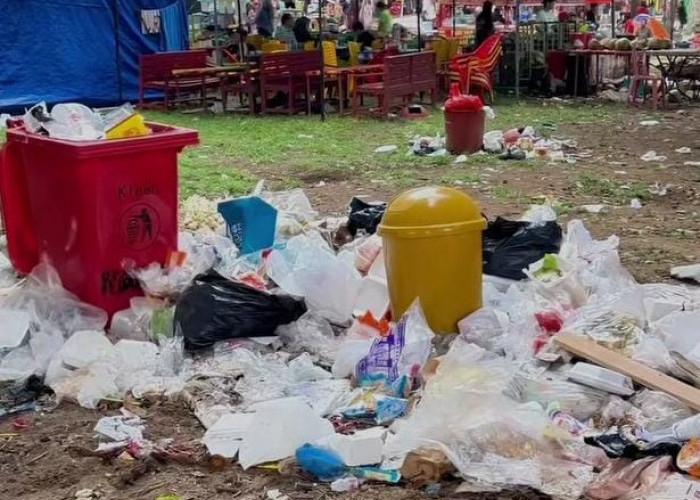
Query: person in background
<point x="360" y="35"/>
<point x="546" y="14"/>
<point x="285" y="33"/>
<point x="290" y="4"/>
<point x="484" y="23"/>
<point x="384" y="18"/>
<point x="591" y="17"/>
<point x="642" y="9"/>
<point x="265" y="19"/>
<point x="498" y="16"/>
<point x="628" y="25"/>
<point x="301" y="30"/>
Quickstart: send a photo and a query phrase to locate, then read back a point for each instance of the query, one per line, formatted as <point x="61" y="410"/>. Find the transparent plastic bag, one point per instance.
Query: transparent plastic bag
<point x="74" y="122"/>
<point x="311" y="333"/>
<point x="294" y="211"/>
<point x="615" y="321"/>
<point x="558" y="281"/>
<point x="579" y="401"/>
<point x="308" y="268"/>
<point x="44" y="297"/>
<point x="489" y="437"/>
<point x="660" y="411"/>
<point x="201" y="252"/>
<point x="661" y="299"/>
<point x="55" y="315"/>
<point x="679" y="332"/>
<point x="484" y="327"/>
<point x="401" y="353"/>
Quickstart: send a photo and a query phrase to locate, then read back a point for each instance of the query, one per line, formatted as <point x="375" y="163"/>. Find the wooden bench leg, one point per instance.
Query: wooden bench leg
<point x="308" y="95"/>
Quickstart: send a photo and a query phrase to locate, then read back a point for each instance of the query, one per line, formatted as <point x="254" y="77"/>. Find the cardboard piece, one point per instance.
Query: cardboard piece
<point x="425" y="466"/>
<point x="586" y="348"/>
<point x="225" y="436"/>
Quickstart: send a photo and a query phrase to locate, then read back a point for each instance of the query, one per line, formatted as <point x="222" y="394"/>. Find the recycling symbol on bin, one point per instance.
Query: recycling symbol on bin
<point x="140" y="226"/>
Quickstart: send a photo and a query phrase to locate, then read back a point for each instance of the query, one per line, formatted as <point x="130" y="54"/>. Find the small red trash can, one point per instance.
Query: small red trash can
<point x="464" y="123"/>
<point x="87" y="206"/>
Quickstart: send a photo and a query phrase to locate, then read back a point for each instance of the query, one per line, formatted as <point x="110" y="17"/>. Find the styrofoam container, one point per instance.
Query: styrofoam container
<point x="601" y="378"/>
<point x="373" y="296"/>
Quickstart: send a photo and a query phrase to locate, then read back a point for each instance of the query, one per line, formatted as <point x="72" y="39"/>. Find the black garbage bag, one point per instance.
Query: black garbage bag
<point x="511" y="246"/>
<point x="626" y="443"/>
<point x="214" y="308"/>
<point x="365" y="216"/>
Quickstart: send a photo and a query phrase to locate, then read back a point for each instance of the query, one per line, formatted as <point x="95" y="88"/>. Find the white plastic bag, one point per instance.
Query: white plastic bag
<point x="680" y="333"/>
<point x="308" y="268"/>
<point x="485" y="328"/>
<point x="493" y="141"/>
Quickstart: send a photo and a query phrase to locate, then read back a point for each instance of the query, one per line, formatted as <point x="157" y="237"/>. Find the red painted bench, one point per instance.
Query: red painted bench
<point x="286" y="72"/>
<point x="159" y="72"/>
<point x="403" y="77"/>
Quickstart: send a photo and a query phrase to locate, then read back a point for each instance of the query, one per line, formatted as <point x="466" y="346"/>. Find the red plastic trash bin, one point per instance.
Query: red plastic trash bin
<point x="464" y="123"/>
<point x="87" y="206"/>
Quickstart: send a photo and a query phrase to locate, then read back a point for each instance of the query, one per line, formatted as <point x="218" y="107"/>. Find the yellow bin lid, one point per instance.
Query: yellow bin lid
<point x="431" y="211"/>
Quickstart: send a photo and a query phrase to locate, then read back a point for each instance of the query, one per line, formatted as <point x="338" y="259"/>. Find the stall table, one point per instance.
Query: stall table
<point x="678" y="66"/>
<point x="597" y="54"/>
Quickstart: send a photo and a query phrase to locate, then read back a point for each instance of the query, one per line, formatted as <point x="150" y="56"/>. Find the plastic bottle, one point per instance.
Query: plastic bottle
<point x="346" y="484"/>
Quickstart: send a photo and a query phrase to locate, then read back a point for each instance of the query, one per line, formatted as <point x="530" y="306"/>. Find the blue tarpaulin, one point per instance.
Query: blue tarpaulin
<point x="80" y="50"/>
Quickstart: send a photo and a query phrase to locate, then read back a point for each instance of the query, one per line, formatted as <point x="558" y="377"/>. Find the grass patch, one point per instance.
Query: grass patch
<point x="610" y="190"/>
<point x="461" y="178"/>
<point x="505" y="193"/>
<point x="236" y="150"/>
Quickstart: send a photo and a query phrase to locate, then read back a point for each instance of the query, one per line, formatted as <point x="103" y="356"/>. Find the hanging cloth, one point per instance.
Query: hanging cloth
<point x="366" y="13"/>
<point x="173" y="28"/>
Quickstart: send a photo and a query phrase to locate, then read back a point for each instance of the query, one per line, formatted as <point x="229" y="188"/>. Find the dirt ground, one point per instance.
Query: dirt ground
<point x="50" y="458"/>
<point x="652" y="239"/>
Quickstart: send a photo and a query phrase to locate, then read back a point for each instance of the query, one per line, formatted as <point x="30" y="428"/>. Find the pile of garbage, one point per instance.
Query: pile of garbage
<point x="526" y="143"/>
<point x="515" y="144"/>
<point x="572" y="379"/>
<point x="77" y="122"/>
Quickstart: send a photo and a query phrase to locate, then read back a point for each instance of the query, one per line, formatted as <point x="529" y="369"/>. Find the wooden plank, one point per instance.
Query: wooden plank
<point x="586" y="348"/>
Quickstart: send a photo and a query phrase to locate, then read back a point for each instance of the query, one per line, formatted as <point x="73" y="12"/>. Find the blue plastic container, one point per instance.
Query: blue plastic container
<point x="250" y="223"/>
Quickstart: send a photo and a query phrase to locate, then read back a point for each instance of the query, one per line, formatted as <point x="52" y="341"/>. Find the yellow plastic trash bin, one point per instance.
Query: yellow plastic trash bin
<point x="432" y="250"/>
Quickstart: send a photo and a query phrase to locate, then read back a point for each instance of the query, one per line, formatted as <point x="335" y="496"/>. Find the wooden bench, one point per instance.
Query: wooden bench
<point x="286" y="72"/>
<point x="159" y="72"/>
<point x="403" y="77"/>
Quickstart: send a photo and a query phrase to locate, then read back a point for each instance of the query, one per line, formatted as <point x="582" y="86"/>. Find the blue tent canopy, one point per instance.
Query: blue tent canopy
<point x="81" y="50"/>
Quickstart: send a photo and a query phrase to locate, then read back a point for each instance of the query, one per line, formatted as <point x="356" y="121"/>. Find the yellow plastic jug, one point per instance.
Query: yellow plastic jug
<point x="432" y="250"/>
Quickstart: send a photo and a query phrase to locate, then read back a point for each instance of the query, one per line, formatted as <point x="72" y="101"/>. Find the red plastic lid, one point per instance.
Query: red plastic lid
<point x="462" y="102"/>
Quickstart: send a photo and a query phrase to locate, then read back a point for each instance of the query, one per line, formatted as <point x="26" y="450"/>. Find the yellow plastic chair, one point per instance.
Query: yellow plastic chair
<point x="441" y="48"/>
<point x="255" y="41"/>
<point x="354" y="53"/>
<point x="309" y="46"/>
<point x="273" y="46"/>
<point x="330" y="56"/>
<point x="377" y="45"/>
